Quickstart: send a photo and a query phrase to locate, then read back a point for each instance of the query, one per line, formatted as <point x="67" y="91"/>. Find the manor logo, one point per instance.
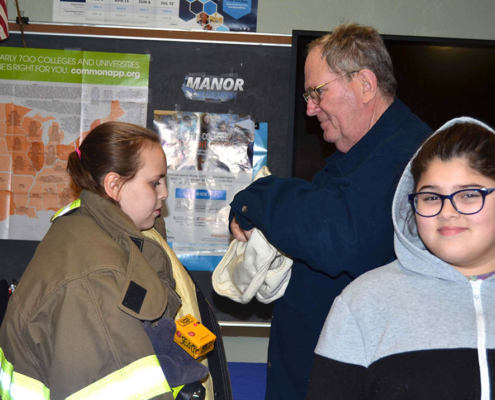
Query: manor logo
<point x="211" y="88"/>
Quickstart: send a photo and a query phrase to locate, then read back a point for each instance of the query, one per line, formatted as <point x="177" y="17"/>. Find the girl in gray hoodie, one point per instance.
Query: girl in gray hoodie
<point x="423" y="327"/>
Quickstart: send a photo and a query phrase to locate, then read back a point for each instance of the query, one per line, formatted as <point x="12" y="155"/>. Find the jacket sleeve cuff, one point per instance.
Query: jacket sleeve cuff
<point x="244" y="223"/>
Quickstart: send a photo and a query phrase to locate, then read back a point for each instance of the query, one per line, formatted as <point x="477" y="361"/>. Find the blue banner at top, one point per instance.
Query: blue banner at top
<point x="220" y="15"/>
<point x="237" y="8"/>
<point x="200" y="194"/>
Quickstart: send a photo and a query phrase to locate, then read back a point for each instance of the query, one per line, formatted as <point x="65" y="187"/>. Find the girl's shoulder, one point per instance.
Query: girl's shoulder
<point x="378" y="276"/>
<point x="376" y="286"/>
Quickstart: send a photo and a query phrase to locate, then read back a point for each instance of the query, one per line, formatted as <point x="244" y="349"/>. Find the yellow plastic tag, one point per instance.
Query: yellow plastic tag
<point x="193" y="336"/>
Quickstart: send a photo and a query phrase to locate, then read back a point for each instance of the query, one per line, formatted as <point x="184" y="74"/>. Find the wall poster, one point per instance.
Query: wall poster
<point x="210" y="157"/>
<point x="211" y="15"/>
<point x="49" y="101"/>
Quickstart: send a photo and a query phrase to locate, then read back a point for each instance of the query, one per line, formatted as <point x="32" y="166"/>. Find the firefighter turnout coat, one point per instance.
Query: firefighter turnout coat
<point x="73" y="327"/>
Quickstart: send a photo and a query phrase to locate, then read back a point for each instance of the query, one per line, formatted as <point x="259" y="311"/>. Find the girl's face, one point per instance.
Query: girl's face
<point x="467" y="242"/>
<point x="141" y="198"/>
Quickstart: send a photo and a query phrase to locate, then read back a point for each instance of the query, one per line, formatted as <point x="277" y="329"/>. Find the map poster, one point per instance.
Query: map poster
<point x="49" y="101"/>
<point x="209" y="159"/>
<point x="210" y="15"/>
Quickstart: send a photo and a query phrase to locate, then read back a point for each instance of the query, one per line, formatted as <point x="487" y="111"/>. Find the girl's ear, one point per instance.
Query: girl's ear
<point x="112" y="185"/>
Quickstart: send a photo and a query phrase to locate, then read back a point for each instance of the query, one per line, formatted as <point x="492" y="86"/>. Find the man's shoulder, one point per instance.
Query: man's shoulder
<point x="415" y="124"/>
<point x="413" y="130"/>
<point x="406" y="138"/>
<point x="409" y="120"/>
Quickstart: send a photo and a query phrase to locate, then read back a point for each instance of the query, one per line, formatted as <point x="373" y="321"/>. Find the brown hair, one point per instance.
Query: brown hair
<point x="352" y="47"/>
<point x="110" y="147"/>
<point x="466" y="140"/>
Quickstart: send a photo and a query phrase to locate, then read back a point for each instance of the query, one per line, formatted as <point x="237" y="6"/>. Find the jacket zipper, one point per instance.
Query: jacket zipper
<point x="480" y="323"/>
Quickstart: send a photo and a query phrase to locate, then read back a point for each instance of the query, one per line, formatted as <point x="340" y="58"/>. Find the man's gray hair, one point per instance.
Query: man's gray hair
<point x="352" y="47"/>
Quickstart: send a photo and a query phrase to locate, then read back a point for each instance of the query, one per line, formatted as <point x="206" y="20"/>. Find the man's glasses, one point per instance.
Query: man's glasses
<point x="466" y="201"/>
<point x="314" y="93"/>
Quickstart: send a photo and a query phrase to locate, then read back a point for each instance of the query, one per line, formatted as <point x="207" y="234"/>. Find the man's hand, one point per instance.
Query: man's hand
<point x="238" y="233"/>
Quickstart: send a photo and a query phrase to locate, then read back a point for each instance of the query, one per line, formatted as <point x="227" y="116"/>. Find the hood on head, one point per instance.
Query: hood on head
<point x="410" y="250"/>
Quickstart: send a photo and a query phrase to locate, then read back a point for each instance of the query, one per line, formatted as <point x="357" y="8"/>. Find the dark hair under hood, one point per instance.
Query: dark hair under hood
<point x="407" y="243"/>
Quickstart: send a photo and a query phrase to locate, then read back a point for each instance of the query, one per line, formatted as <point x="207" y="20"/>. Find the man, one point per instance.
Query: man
<point x="339" y="225"/>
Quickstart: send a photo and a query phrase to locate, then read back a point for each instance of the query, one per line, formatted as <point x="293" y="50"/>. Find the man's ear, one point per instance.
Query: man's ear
<point x="112" y="184"/>
<point x="369" y="85"/>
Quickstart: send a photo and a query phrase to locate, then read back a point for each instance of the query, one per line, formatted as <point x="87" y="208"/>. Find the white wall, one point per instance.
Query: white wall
<point x="473" y="19"/>
<point x="35" y="10"/>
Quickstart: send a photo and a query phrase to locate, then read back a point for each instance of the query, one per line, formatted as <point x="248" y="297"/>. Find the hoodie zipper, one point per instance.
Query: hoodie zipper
<point x="480" y="323"/>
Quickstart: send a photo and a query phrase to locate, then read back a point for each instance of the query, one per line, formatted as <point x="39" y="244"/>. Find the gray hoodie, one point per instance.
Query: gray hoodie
<point x="414" y="329"/>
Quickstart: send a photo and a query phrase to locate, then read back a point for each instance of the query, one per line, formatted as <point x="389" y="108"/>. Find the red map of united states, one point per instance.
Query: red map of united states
<point x="32" y="171"/>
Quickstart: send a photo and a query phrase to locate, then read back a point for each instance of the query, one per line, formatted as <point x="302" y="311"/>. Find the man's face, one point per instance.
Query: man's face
<point x="340" y="112"/>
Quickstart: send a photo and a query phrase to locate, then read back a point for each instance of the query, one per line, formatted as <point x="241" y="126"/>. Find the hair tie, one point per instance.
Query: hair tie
<point x="78" y="153"/>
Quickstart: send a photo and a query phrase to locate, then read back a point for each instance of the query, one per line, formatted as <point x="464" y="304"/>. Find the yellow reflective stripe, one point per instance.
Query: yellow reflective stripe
<point x="67" y="208"/>
<point x="75" y="204"/>
<point x="6" y="373"/>
<point x="16" y="386"/>
<point x="176" y="390"/>
<point x="141" y="380"/>
<point x="25" y="387"/>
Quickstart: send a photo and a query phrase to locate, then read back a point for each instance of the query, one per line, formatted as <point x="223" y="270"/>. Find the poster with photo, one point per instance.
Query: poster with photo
<point x="209" y="159"/>
<point x="209" y="15"/>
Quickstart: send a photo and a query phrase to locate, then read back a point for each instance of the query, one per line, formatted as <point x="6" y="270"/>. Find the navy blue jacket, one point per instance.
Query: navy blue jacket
<point x="335" y="228"/>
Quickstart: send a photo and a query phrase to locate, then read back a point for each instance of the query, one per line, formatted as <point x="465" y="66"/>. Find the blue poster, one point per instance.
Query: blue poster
<point x="221" y="15"/>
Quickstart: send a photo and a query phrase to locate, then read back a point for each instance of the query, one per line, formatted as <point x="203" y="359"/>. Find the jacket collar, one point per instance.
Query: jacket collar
<point x="160" y="227"/>
<point x="386" y="125"/>
<point x="143" y="296"/>
<point x="110" y="217"/>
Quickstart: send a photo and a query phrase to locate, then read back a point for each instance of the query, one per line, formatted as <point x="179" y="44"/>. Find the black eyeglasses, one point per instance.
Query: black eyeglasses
<point x="314" y="93"/>
<point x="466" y="201"/>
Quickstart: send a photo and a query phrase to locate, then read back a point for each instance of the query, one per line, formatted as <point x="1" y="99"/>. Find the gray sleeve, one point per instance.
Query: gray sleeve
<point x="341" y="337"/>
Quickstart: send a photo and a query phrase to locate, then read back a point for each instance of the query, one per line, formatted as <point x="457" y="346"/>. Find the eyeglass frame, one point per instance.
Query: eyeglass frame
<point x="317" y="89"/>
<point x="484" y="192"/>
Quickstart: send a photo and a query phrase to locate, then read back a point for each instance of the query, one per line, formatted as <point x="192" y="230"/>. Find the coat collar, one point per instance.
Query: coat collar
<point x="149" y="279"/>
<point x="110" y="217"/>
<point x="386" y="125"/>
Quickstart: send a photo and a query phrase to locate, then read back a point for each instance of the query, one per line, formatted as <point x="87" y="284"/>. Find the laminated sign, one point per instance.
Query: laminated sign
<point x="210" y="158"/>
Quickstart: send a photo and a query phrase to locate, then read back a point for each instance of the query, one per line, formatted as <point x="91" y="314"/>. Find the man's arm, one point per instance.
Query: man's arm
<point x="345" y="226"/>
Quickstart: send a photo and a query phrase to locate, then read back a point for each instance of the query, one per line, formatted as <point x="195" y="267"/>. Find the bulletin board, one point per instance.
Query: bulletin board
<point x="265" y="69"/>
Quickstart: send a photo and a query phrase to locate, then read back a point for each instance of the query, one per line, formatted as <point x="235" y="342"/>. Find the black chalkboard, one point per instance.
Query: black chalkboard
<point x="266" y="73"/>
<point x="264" y="68"/>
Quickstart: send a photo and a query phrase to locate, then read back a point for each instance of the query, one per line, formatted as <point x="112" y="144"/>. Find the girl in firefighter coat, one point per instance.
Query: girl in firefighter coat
<point x="74" y="326"/>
